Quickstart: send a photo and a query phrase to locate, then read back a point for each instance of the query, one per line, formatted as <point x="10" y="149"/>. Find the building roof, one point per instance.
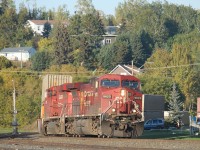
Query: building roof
<point x="127" y="68"/>
<point x="111" y="30"/>
<point x="109" y="35"/>
<point x="16" y="49"/>
<point x="42" y="22"/>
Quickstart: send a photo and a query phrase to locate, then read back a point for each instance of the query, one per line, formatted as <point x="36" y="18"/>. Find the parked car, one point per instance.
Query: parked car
<point x="157" y="123"/>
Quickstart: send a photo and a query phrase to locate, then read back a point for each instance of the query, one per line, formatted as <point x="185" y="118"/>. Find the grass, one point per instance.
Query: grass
<point x="5" y="130"/>
<point x="9" y="130"/>
<point x="169" y="134"/>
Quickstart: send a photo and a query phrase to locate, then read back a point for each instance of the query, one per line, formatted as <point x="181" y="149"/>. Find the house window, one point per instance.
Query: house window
<point x="38" y="28"/>
<point x="108" y="41"/>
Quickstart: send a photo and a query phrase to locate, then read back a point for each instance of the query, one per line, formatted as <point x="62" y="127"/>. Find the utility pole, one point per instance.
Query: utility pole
<point x="14" y="123"/>
<point x="21" y="58"/>
<point x="132" y="66"/>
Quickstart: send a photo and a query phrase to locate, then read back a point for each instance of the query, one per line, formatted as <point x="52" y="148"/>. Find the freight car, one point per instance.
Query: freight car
<point x="107" y="106"/>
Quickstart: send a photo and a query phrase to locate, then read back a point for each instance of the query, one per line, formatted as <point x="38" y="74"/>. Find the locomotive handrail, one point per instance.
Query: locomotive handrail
<point x="101" y="115"/>
<point x="113" y="102"/>
<point x="136" y="108"/>
<point x="63" y="107"/>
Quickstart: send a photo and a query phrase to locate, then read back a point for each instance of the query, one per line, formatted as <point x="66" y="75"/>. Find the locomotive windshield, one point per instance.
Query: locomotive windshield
<point x="110" y="83"/>
<point x="130" y="84"/>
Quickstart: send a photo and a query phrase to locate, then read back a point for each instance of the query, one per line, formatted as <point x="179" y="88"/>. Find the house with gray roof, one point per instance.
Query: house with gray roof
<point x="126" y="70"/>
<point x="110" y="35"/>
<point x="18" y="53"/>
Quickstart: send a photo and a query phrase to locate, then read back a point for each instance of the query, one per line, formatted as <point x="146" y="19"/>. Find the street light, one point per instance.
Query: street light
<point x="14" y="123"/>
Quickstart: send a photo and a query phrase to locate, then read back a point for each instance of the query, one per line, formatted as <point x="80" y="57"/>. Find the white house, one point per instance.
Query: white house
<point x="18" y="53"/>
<point x="38" y="25"/>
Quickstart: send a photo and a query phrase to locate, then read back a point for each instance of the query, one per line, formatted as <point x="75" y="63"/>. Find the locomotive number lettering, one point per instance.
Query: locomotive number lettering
<point x="87" y="103"/>
<point x="88" y="93"/>
<point x="137" y="98"/>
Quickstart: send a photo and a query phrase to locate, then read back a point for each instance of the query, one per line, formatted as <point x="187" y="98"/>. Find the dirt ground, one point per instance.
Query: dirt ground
<point x="31" y="141"/>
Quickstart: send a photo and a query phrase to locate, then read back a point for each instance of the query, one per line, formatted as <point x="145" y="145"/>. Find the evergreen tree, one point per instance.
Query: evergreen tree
<point x="62" y="47"/>
<point x="175" y="105"/>
<point x="41" y="61"/>
<point x="46" y="30"/>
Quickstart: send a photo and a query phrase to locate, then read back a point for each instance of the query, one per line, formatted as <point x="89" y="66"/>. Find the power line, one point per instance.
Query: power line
<point x="40" y="72"/>
<point x="195" y="64"/>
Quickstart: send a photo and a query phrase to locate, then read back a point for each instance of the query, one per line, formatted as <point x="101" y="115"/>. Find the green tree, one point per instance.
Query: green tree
<point x="28" y="95"/>
<point x="5" y="4"/>
<point x="23" y="14"/>
<point x="4" y="62"/>
<point x="109" y="20"/>
<point x="175" y="105"/>
<point x="91" y="38"/>
<point x="185" y="52"/>
<point x="106" y="56"/>
<point x="86" y="32"/>
<point x="157" y="86"/>
<point x="75" y="32"/>
<point x="157" y="78"/>
<point x="45" y="44"/>
<point x="62" y="47"/>
<point x="112" y="55"/>
<point x="46" y="30"/>
<point x="142" y="46"/>
<point x="8" y="26"/>
<point x="85" y="7"/>
<point x="61" y="14"/>
<point x="41" y="61"/>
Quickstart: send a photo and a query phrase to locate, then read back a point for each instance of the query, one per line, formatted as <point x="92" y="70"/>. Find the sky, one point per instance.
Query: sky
<point x="107" y="6"/>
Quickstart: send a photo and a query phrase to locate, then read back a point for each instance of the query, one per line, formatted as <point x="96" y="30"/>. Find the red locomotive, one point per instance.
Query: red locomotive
<point x="108" y="106"/>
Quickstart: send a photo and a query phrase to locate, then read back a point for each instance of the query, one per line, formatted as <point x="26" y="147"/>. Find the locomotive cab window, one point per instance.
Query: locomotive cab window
<point x="130" y="84"/>
<point x="110" y="83"/>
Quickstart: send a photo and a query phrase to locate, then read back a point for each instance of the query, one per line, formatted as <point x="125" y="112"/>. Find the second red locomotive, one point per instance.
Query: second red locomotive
<point x="108" y="106"/>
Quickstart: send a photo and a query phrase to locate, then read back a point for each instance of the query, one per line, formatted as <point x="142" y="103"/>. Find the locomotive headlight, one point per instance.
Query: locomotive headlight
<point x="113" y="110"/>
<point x="134" y="111"/>
<point x="123" y="92"/>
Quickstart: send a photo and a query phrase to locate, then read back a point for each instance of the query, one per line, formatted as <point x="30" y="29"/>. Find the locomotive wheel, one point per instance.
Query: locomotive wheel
<point x="137" y="130"/>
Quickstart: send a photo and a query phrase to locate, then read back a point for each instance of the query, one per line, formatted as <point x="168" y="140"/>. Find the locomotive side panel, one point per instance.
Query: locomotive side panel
<point x="90" y="100"/>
